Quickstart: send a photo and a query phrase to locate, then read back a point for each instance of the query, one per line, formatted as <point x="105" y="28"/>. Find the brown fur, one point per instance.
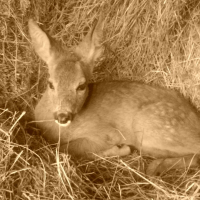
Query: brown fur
<point x="109" y="117"/>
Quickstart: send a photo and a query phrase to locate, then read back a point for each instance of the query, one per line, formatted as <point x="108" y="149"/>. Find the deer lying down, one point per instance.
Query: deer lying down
<point x="108" y="118"/>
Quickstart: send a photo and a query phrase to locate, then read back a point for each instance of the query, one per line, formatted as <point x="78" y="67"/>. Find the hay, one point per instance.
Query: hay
<point x="156" y="42"/>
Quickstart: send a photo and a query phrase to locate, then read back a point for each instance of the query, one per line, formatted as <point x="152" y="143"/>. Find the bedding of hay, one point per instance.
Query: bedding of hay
<point x="153" y="41"/>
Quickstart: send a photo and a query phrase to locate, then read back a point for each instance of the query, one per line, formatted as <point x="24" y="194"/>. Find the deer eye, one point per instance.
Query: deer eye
<point x="81" y="87"/>
<point x="51" y="85"/>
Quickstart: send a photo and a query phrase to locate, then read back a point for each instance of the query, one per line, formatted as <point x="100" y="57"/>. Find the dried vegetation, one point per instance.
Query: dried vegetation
<point x="156" y="42"/>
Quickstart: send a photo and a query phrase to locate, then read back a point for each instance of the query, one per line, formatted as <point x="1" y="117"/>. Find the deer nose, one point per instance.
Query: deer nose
<point x="63" y="118"/>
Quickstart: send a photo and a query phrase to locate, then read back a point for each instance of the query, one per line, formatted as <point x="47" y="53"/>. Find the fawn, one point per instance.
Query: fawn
<point x="107" y="118"/>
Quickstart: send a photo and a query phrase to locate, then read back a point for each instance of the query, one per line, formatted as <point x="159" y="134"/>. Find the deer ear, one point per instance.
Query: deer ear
<point x="91" y="48"/>
<point x="40" y="41"/>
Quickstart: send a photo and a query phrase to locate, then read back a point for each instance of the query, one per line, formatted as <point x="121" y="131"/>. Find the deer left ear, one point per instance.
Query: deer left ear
<point x="91" y="48"/>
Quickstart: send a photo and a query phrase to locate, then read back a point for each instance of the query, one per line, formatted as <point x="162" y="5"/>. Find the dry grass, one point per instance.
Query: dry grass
<point x="156" y="42"/>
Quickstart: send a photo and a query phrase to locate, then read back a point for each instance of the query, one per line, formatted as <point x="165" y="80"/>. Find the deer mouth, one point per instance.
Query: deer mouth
<point x="63" y="125"/>
<point x="63" y="119"/>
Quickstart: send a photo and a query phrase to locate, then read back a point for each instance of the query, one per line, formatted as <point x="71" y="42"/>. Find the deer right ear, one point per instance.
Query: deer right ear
<point x="40" y="41"/>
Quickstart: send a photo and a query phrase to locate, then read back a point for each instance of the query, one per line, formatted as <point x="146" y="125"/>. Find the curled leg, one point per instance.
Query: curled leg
<point x="159" y="166"/>
<point x="116" y="151"/>
<point x="84" y="148"/>
<point x="99" y="139"/>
